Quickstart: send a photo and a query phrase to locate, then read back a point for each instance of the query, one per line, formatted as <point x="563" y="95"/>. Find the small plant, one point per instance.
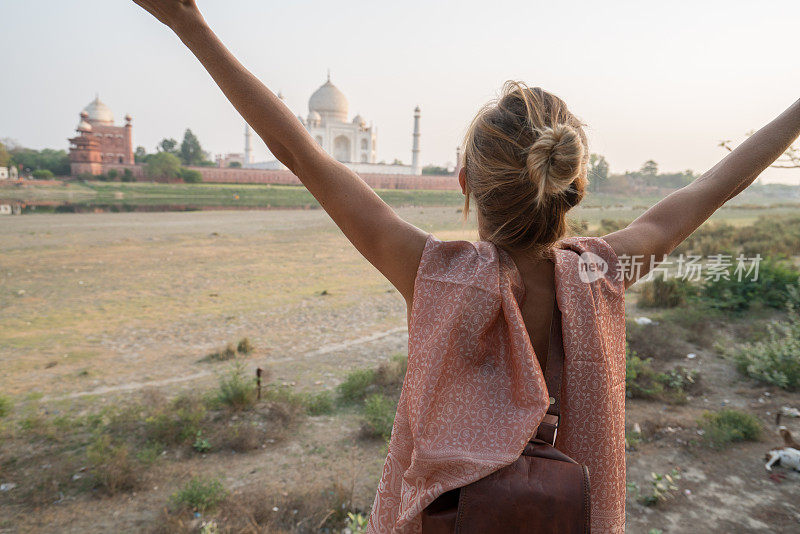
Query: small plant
<point x="663" y="487"/>
<point x="200" y="494"/>
<point x="176" y="422"/>
<point x="664" y="292"/>
<point x="201" y="444"/>
<point x="632" y="439"/>
<point x="228" y="353"/>
<point x="641" y="380"/>
<point x="111" y="465"/>
<point x="356" y="523"/>
<point x="777" y="359"/>
<point x="319" y="403"/>
<point x="356" y="385"/>
<point x="379" y="412"/>
<point x="236" y="390"/>
<point x="729" y="425"/>
<point x="244" y="346"/>
<point x="5" y="406"/>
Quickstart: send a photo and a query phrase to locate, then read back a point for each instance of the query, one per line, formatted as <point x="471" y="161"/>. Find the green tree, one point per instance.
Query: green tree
<point x="163" y="165"/>
<point x="191" y="152"/>
<point x="649" y="168"/>
<point x="140" y="155"/>
<point x="598" y="171"/>
<point x="55" y="161"/>
<point x="168" y="145"/>
<point x="235" y="165"/>
<point x="5" y="157"/>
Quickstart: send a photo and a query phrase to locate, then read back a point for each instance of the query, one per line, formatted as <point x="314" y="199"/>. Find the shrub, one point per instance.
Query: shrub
<point x="176" y="422"/>
<point x="235" y="390"/>
<point x="775" y="360"/>
<point x="201" y="444"/>
<point x="200" y="494"/>
<point x="379" y="413"/>
<point x="244" y="346"/>
<point x="319" y="403"/>
<point x="640" y="377"/>
<point x="5" y="406"/>
<point x="111" y="465"/>
<point x="664" y="292"/>
<point x="127" y="176"/>
<point x="243" y="437"/>
<point x="112" y="174"/>
<point x="729" y="425"/>
<point x="769" y="289"/>
<point x="228" y="353"/>
<point x="356" y="385"/>
<point x="43" y="174"/>
<point x="190" y="176"/>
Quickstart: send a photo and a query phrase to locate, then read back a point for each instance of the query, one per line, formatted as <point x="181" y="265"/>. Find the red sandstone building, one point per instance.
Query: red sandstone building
<point x="99" y="142"/>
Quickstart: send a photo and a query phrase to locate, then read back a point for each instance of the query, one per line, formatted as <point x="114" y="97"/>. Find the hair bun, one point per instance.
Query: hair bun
<point x="555" y="160"/>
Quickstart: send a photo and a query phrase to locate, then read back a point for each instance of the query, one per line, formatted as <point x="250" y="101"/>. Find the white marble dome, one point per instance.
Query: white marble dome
<point x="360" y="121"/>
<point x="329" y="101"/>
<point x="99" y="112"/>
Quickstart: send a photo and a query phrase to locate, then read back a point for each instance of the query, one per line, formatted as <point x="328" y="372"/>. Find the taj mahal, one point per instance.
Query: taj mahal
<point x="351" y="141"/>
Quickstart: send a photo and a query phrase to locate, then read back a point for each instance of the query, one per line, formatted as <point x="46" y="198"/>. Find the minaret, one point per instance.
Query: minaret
<point x="415" y="164"/>
<point x="248" y="145"/>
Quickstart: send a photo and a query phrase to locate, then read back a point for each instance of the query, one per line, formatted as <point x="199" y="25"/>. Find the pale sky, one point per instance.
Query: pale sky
<point x="654" y="80"/>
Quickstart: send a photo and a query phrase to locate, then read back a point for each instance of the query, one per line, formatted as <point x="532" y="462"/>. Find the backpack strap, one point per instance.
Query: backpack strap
<point x="554" y="368"/>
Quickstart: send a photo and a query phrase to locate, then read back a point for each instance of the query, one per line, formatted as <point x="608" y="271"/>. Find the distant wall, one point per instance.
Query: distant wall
<point x="230" y="175"/>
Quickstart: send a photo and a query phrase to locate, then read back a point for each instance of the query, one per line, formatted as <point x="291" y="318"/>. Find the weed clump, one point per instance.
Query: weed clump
<point x="200" y="494"/>
<point x="236" y="391"/>
<point x="729" y="425"/>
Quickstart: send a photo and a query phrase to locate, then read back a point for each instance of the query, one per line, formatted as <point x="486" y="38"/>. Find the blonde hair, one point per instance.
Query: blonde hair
<point x="525" y="157"/>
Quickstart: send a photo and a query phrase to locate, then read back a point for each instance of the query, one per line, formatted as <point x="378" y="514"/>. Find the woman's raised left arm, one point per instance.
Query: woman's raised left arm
<point x="391" y="244"/>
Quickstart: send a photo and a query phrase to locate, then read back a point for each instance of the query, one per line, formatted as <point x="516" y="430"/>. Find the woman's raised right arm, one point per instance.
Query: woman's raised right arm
<point x="663" y="227"/>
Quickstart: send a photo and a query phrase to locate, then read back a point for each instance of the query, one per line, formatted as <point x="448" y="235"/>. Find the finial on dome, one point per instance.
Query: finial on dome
<point x="329" y="75"/>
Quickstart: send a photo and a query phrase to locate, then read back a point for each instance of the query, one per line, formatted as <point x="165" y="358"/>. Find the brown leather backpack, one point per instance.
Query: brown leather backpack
<point x="543" y="491"/>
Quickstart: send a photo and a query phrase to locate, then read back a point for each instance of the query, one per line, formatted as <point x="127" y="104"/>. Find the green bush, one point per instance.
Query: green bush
<point x="244" y="346"/>
<point x="5" y="406"/>
<point x="640" y="377"/>
<point x="127" y="176"/>
<point x="190" y="176"/>
<point x="664" y="292"/>
<point x="43" y="174"/>
<point x="112" y="174"/>
<point x="356" y="385"/>
<point x="775" y="360"/>
<point x="112" y="466"/>
<point x="200" y="494"/>
<point x="236" y="390"/>
<point x="379" y="412"/>
<point x="176" y="422"/>
<point x="769" y="289"/>
<point x="319" y="403"/>
<point x="729" y="425"/>
<point x="228" y="353"/>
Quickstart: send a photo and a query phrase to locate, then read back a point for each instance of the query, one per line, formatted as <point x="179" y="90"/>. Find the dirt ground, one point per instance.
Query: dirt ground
<point x="96" y="308"/>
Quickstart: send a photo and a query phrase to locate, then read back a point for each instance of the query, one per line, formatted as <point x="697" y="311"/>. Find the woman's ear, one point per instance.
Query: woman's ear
<point x="462" y="179"/>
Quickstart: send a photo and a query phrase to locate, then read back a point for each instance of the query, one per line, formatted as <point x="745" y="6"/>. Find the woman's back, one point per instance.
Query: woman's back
<point x="538" y="278"/>
<point x="474" y="392"/>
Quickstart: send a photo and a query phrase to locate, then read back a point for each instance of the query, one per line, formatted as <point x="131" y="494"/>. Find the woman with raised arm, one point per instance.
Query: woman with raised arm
<point x="479" y="313"/>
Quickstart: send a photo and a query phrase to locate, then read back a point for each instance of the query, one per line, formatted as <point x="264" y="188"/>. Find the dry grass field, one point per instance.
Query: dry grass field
<point x="98" y="311"/>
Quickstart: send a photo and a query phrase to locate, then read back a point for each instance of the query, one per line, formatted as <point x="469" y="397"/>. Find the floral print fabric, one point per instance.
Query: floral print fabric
<point x="474" y="392"/>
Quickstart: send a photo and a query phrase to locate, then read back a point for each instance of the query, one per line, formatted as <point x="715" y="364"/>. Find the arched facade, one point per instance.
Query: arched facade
<point x="347" y="141"/>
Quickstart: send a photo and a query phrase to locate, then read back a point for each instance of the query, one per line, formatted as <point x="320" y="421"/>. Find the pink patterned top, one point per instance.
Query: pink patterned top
<point x="474" y="392"/>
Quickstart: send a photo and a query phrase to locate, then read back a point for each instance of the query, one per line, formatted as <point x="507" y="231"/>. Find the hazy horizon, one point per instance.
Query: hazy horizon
<point x="661" y="82"/>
